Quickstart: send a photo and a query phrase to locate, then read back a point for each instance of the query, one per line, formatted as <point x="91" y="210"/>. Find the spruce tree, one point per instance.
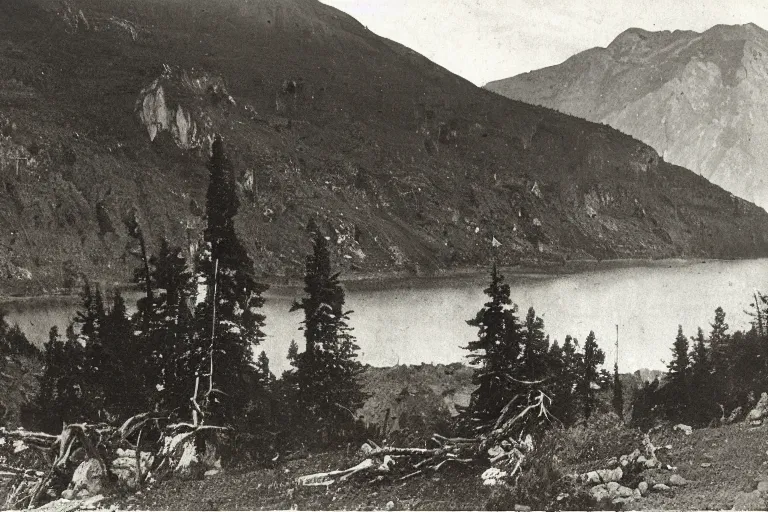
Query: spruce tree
<point x="702" y="392"/>
<point x="535" y="345"/>
<point x="327" y="370"/>
<point x="492" y="352"/>
<point x="618" y="392"/>
<point x="679" y="375"/>
<point x="229" y="321"/>
<point x="122" y="364"/>
<point x="593" y="358"/>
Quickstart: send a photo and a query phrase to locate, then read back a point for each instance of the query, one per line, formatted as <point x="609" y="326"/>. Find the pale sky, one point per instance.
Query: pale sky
<point x="484" y="40"/>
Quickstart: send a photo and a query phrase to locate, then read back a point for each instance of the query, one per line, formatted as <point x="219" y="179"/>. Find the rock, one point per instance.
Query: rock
<point x="610" y="475"/>
<point x="761" y="409"/>
<point x="749" y="501"/>
<point x="390" y="505"/>
<point x="89" y="475"/>
<point x="661" y="488"/>
<point x="652" y="463"/>
<point x="591" y="478"/>
<point x="706" y="464"/>
<point x="762" y="486"/>
<point x="634" y="455"/>
<point x="600" y="494"/>
<point x="735" y="415"/>
<point x="637" y="494"/>
<point x="68" y="494"/>
<point x="641" y="459"/>
<point x="212" y="472"/>
<point x="677" y="481"/>
<point x="612" y="486"/>
<point x="612" y="462"/>
<point x="684" y="428"/>
<point x="189" y="466"/>
<point x="522" y="508"/>
<point x="643" y="488"/>
<point x="366" y="449"/>
<point x="625" y="492"/>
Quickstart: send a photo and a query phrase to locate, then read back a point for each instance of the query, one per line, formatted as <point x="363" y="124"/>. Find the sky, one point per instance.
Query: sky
<point x="485" y="40"/>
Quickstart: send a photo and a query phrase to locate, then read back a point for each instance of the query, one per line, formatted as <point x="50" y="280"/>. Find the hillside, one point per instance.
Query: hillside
<point x="108" y="107"/>
<point x="697" y="98"/>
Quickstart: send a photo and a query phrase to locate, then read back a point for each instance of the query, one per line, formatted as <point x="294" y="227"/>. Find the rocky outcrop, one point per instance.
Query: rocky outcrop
<point x="699" y="99"/>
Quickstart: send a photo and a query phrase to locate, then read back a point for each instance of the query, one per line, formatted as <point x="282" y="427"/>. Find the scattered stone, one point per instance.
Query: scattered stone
<point x="749" y="501"/>
<point x="735" y="415"/>
<point x="212" y="472"/>
<point x="89" y="475"/>
<point x="677" y="481"/>
<point x="600" y="494"/>
<point x="637" y="494"/>
<point x="366" y="449"/>
<point x="625" y="492"/>
<point x="661" y="487"/>
<point x="684" y="428"/>
<point x="641" y="459"/>
<point x="390" y="505"/>
<point x="610" y="475"/>
<point x="612" y="487"/>
<point x="706" y="464"/>
<point x="643" y="488"/>
<point x="761" y="409"/>
<point x="652" y="463"/>
<point x="522" y="508"/>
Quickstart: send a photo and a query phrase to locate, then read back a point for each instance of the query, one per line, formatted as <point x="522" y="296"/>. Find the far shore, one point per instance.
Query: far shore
<point x="362" y="281"/>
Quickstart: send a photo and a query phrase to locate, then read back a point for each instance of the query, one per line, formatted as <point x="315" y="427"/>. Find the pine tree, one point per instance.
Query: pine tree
<point x="679" y="376"/>
<point x="618" y="392"/>
<point x="566" y="366"/>
<point x="701" y="390"/>
<point x="593" y="358"/>
<point x="122" y="364"/>
<point x="229" y="321"/>
<point x="90" y="319"/>
<point x="720" y="358"/>
<point x="535" y="345"/>
<point x="492" y="352"/>
<point x="327" y="371"/>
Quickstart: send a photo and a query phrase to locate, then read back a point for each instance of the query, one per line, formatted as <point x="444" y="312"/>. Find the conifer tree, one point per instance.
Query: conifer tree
<point x="90" y="319"/>
<point x="702" y="391"/>
<point x="593" y="358"/>
<point x="618" y="392"/>
<point x="494" y="350"/>
<point x="679" y="375"/>
<point x="535" y="345"/>
<point x="327" y="370"/>
<point x="229" y="321"/>
<point x="121" y="372"/>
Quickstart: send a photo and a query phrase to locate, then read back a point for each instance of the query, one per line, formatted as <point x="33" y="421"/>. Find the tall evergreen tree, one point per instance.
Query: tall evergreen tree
<point x="679" y="375"/>
<point x="535" y="345"/>
<point x="327" y="371"/>
<point x="593" y="358"/>
<point x="618" y="392"/>
<point x="702" y="392"/>
<point x="493" y="352"/>
<point x="229" y="321"/>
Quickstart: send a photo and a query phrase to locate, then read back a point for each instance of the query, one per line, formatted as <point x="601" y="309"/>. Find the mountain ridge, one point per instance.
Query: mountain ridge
<point x="109" y="108"/>
<point x="694" y="97"/>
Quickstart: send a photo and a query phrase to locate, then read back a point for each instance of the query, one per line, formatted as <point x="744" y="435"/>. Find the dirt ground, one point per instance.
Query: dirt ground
<point x="734" y="459"/>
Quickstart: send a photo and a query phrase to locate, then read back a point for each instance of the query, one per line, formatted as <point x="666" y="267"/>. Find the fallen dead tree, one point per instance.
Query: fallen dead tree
<point x="91" y="459"/>
<point x="504" y="447"/>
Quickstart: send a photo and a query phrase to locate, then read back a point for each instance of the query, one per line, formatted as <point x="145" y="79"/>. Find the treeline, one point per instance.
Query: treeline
<point x="515" y="361"/>
<point x="189" y="348"/>
<point x="712" y="376"/>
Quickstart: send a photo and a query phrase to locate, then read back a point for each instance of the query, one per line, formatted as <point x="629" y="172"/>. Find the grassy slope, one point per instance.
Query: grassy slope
<point x="406" y="165"/>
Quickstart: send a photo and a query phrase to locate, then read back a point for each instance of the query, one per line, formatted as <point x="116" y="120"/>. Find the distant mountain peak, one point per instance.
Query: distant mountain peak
<point x="699" y="99"/>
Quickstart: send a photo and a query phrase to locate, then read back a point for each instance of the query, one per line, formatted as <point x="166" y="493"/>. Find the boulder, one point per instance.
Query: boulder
<point x="600" y="494"/>
<point x="749" y="501"/>
<point x="735" y="415"/>
<point x="190" y="466"/>
<point x="643" y="488"/>
<point x="625" y="492"/>
<point x="610" y="475"/>
<point x="90" y="476"/>
<point x="677" y="481"/>
<point x="661" y="487"/>
<point x="652" y="463"/>
<point x="686" y="429"/>
<point x="761" y="409"/>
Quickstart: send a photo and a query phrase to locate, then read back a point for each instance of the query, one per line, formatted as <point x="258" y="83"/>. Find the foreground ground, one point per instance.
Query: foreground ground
<point x="719" y="464"/>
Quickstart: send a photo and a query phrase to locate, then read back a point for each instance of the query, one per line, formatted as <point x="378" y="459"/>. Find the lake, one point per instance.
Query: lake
<point x="410" y="321"/>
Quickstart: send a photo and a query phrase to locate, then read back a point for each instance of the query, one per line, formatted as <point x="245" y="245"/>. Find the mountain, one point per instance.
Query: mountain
<point x="699" y="99"/>
<point x="108" y="107"/>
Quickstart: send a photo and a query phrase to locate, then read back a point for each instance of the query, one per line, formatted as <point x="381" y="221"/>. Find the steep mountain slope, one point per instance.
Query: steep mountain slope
<point x="108" y="107"/>
<point x="698" y="99"/>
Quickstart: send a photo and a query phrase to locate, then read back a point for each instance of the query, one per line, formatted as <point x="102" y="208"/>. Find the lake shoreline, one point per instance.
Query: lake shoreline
<point x="361" y="281"/>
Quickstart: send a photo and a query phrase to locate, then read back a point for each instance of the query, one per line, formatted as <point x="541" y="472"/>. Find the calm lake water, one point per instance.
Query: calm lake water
<point x="423" y="320"/>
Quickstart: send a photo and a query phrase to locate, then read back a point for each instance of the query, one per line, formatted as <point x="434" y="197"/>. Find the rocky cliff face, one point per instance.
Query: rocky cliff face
<point x="111" y="104"/>
<point x="701" y="100"/>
